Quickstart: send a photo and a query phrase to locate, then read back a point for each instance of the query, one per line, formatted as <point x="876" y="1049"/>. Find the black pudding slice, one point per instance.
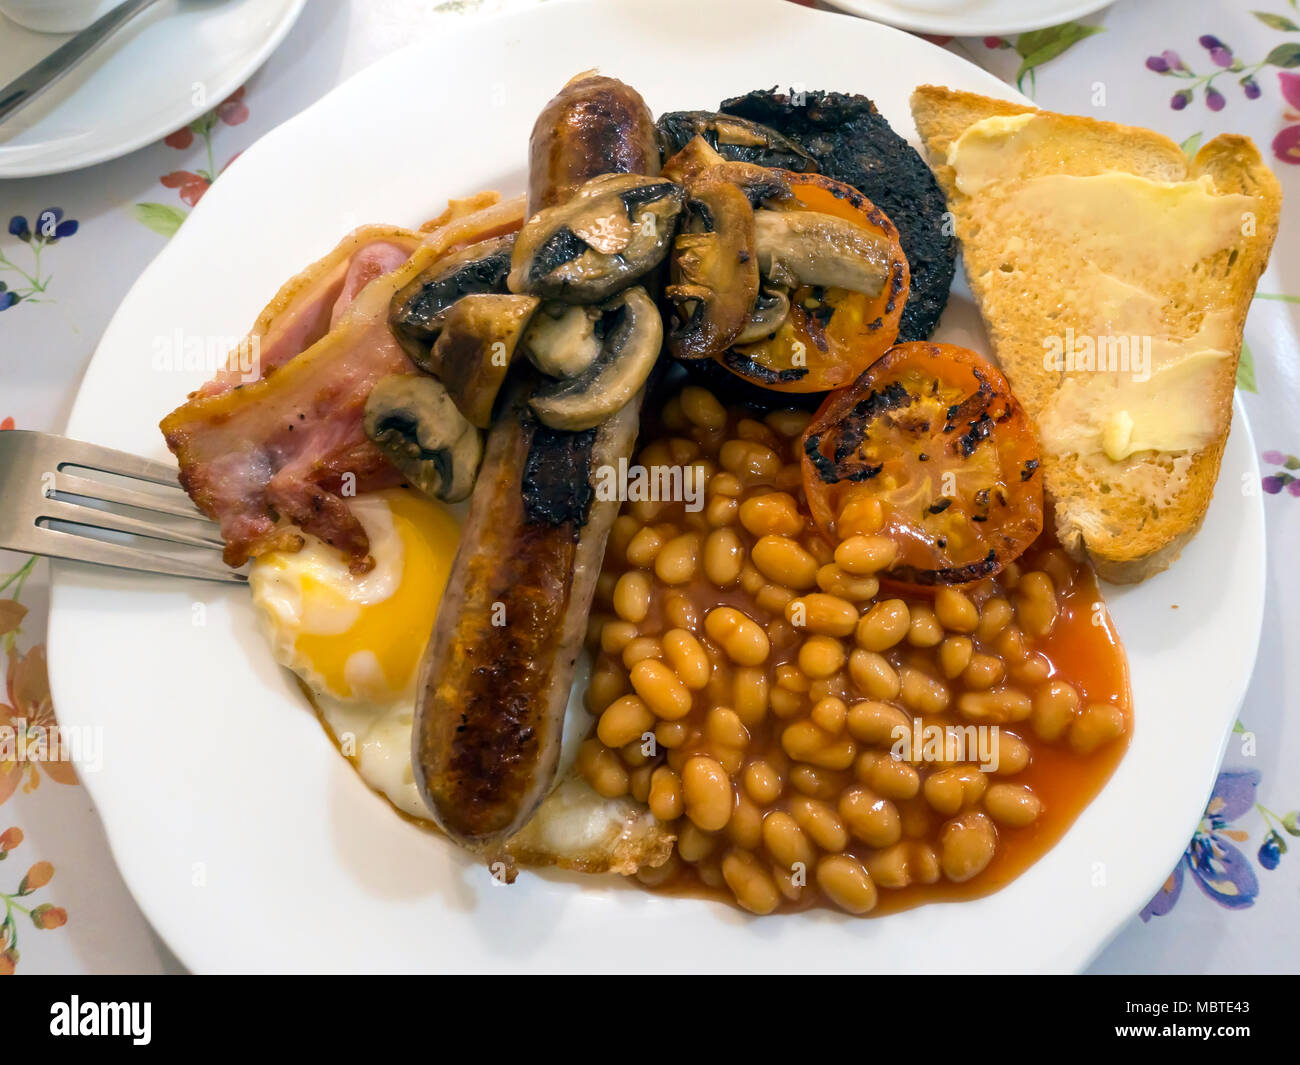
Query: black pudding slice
<point x="853" y="143"/>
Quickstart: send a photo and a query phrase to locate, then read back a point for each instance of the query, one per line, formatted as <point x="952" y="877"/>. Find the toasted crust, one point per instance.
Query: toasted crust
<point x="1127" y="536"/>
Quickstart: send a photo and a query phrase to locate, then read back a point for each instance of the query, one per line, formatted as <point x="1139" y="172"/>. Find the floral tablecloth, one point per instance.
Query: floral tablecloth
<point x="74" y="243"/>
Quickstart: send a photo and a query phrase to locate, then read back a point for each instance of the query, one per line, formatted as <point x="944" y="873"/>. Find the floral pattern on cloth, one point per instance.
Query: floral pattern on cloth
<point x="29" y="739"/>
<point x="27" y="724"/>
<point x="28" y="284"/>
<point x="1213" y="857"/>
<point x="1286" y="145"/>
<point x="1034" y="48"/>
<point x="44" y="916"/>
<point x="1225" y="64"/>
<point x="1286" y="479"/>
<point x="28" y="728"/>
<point x="1038" y="46"/>
<point x="192" y="184"/>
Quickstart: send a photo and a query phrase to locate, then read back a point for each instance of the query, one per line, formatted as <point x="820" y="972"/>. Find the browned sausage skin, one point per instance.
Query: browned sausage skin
<point x="496" y="678"/>
<point x="595" y="125"/>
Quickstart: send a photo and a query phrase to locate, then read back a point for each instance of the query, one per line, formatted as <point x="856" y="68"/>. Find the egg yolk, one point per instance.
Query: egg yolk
<point x="394" y="630"/>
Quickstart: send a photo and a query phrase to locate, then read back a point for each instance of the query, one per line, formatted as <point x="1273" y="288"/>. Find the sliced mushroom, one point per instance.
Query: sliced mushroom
<point x="561" y="339"/>
<point x="715" y="261"/>
<point x="770" y="310"/>
<point x="696" y="156"/>
<point x="733" y="138"/>
<point x="718" y="267"/>
<point x="760" y="184"/>
<point x="415" y="423"/>
<point x="614" y="230"/>
<point x="477" y="339"/>
<point x="810" y="248"/>
<point x="415" y="314"/>
<point x="763" y="187"/>
<point x="631" y="334"/>
<point x="715" y="268"/>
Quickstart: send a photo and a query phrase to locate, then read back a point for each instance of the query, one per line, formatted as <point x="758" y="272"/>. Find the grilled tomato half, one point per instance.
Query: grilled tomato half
<point x="930" y="451"/>
<point x="834" y="281"/>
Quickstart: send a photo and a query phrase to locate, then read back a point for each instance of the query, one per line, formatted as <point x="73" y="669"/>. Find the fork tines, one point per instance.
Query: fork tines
<point x="66" y="499"/>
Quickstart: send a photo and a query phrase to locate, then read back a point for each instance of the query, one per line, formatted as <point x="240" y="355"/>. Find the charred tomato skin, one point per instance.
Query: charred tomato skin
<point x="846" y="331"/>
<point x="934" y="433"/>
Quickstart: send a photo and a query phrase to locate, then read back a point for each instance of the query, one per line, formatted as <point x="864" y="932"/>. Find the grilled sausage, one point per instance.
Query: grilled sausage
<point x="496" y="678"/>
<point x="596" y="125"/>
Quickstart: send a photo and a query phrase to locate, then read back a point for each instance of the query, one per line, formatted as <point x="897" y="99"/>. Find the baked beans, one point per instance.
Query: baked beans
<point x="811" y="736"/>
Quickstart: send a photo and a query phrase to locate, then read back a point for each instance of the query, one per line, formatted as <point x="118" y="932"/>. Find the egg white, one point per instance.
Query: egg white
<point x="370" y="723"/>
<point x="276" y="581"/>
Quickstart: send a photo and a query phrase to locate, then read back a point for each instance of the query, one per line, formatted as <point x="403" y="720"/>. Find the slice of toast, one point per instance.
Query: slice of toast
<point x="1080" y="234"/>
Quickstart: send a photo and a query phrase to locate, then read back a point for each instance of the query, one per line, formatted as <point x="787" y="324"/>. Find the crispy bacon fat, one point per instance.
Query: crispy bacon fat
<point x="273" y="455"/>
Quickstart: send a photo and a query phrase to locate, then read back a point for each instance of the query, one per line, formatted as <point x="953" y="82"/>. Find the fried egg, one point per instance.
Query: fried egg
<point x="355" y="641"/>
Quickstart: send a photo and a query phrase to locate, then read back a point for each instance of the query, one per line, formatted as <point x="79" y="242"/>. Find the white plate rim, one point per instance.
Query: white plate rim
<point x="67" y="579"/>
<point x="240" y="73"/>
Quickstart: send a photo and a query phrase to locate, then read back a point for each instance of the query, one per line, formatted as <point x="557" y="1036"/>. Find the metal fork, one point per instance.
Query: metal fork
<point x="31" y="83"/>
<point x="40" y="476"/>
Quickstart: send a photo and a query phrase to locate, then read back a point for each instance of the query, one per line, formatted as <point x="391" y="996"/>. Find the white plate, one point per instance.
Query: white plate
<point x="251" y="844"/>
<point x="160" y="71"/>
<point x="971" y="18"/>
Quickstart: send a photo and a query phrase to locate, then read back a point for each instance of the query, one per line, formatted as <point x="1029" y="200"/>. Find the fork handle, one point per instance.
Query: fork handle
<point x="31" y="83"/>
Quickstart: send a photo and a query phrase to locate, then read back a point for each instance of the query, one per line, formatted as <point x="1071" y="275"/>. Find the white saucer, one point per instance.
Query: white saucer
<point x="163" y="69"/>
<point x="971" y="18"/>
